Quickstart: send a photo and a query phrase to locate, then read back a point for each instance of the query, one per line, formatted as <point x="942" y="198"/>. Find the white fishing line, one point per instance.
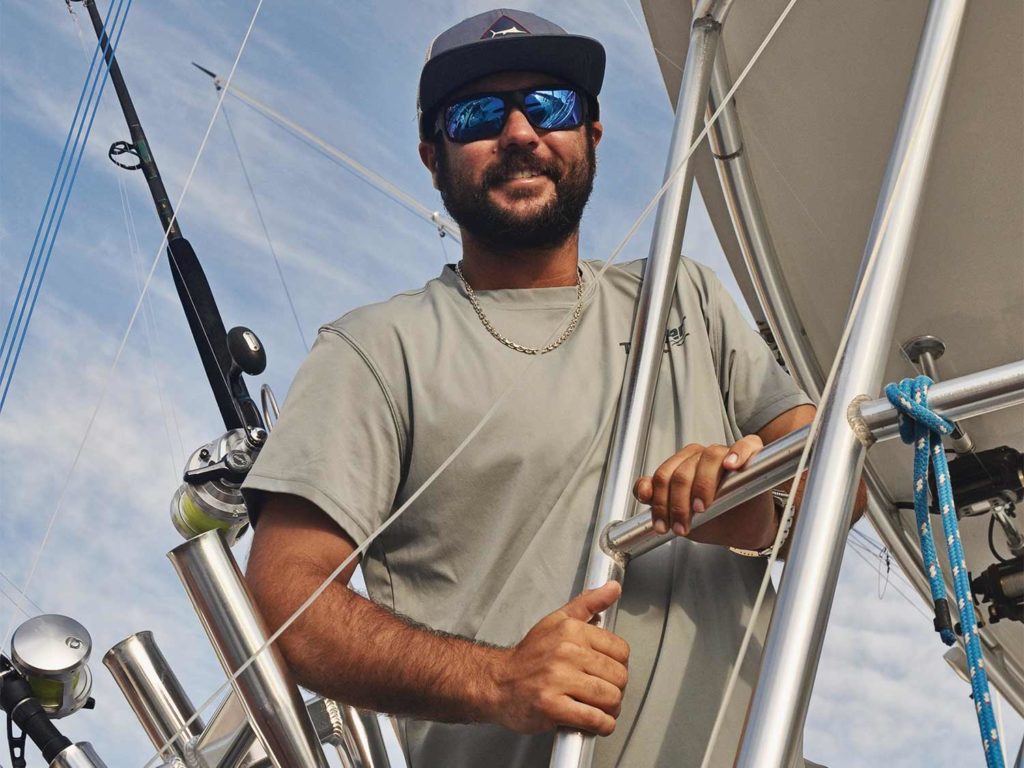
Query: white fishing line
<point x="514" y="382"/>
<point x="105" y="386"/>
<point x="870" y="267"/>
<point x="147" y="323"/>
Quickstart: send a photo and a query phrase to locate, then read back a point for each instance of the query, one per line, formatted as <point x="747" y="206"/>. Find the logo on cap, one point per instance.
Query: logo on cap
<point x="503" y="26"/>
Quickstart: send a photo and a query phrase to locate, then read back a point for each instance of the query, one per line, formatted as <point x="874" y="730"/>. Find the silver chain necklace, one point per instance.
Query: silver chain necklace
<point x="507" y="341"/>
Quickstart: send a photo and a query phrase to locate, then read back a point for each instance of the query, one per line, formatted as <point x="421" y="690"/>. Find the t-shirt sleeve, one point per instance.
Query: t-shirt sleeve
<point x="755" y="387"/>
<point x="338" y="442"/>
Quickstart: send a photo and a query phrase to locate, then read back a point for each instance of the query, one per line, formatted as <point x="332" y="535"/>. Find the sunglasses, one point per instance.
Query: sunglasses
<point x="483" y="116"/>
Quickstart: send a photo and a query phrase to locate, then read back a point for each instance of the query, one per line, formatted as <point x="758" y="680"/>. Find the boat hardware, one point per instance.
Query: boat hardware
<point x="259" y="675"/>
<point x="574" y="749"/>
<point x="925" y="350"/>
<point x="967" y="396"/>
<point x="794" y="641"/>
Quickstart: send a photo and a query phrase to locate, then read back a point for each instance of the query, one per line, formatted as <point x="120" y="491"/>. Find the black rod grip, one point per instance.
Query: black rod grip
<point x="207" y="326"/>
<point x="29" y="715"/>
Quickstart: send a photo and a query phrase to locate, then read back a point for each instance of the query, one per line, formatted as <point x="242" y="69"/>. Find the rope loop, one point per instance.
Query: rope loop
<point x="923" y="429"/>
<point x="910" y="398"/>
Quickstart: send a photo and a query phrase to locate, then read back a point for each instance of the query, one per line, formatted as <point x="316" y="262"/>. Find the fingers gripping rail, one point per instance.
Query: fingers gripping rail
<point x="959" y="398"/>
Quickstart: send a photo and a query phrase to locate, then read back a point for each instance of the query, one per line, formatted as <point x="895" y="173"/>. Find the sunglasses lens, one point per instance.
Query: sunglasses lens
<point x="480" y="117"/>
<point x="555" y="109"/>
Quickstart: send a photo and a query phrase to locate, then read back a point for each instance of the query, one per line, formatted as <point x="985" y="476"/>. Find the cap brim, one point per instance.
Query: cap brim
<point x="576" y="59"/>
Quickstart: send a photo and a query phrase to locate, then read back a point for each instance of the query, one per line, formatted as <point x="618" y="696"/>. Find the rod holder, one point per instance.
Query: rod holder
<point x="154" y="693"/>
<point x="265" y="688"/>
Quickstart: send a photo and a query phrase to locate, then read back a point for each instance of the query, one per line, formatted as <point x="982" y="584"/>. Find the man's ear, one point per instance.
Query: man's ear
<point x="428" y="155"/>
<point x="597" y="131"/>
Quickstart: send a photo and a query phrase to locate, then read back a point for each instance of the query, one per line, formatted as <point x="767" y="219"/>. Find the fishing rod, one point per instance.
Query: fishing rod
<point x="209" y="497"/>
<point x="212" y="340"/>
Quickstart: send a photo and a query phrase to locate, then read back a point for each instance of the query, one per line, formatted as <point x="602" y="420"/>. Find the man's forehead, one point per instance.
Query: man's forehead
<point x="508" y="81"/>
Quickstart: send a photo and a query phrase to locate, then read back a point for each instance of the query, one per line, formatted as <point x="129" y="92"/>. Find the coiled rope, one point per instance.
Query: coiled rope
<point x="24" y="305"/>
<point x="923" y="429"/>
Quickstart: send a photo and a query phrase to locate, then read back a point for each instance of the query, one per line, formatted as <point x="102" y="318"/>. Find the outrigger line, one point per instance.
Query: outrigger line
<point x="445" y="226"/>
<point x="16" y="329"/>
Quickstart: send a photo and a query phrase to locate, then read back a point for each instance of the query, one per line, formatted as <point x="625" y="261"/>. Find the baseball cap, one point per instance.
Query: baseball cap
<point x="506" y="40"/>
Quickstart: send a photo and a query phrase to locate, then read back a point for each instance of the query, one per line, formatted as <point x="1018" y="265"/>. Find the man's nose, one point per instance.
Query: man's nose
<point x="518" y="132"/>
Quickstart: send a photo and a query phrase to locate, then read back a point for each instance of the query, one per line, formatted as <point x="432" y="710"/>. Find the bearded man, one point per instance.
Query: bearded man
<point x="472" y="632"/>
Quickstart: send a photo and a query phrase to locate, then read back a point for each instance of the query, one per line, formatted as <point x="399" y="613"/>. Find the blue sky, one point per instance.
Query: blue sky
<point x="347" y="72"/>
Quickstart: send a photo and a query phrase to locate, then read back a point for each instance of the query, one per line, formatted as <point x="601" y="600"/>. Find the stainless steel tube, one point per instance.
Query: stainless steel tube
<point x="228" y="741"/>
<point x="753" y="235"/>
<point x="80" y="755"/>
<point x="154" y="693"/>
<point x="272" y="702"/>
<point x="959" y="398"/>
<point x="364" y="738"/>
<point x="772" y="466"/>
<point x="573" y="749"/>
<point x="797" y="631"/>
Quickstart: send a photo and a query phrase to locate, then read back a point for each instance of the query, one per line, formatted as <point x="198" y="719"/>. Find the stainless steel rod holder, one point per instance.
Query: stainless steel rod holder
<point x="574" y="749"/>
<point x="154" y="693"/>
<point x="959" y="398"/>
<point x="271" y="699"/>
<point x="364" y="738"/>
<point x="80" y="755"/>
<point x="795" y="637"/>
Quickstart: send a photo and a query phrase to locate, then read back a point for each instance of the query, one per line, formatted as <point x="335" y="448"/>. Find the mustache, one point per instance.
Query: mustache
<point x="517" y="164"/>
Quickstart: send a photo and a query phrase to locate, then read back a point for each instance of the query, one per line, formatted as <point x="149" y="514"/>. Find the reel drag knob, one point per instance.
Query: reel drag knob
<point x="51" y="652"/>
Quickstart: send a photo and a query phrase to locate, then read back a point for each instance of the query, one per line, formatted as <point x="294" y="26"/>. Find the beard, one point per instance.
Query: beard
<point x="504" y="230"/>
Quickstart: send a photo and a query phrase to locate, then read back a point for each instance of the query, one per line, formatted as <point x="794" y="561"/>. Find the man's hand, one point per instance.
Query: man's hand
<point x="687" y="482"/>
<point x="565" y="672"/>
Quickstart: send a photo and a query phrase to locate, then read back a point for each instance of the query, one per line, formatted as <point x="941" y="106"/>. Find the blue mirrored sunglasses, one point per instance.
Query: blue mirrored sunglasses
<point x="483" y="116"/>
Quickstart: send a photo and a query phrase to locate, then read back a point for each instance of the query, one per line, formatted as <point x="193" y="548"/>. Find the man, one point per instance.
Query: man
<point x="465" y="635"/>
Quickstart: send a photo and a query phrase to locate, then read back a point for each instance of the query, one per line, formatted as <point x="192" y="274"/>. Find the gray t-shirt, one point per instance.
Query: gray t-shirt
<point x="501" y="537"/>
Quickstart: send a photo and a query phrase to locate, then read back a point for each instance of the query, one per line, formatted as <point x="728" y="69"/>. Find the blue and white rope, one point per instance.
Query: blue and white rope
<point x="924" y="429"/>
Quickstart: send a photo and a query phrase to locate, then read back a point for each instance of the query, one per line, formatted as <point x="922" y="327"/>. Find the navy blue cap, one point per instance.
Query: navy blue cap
<point x="506" y="40"/>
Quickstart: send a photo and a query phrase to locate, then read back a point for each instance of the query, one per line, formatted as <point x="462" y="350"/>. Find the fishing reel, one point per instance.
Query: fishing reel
<point x="210" y="497"/>
<point x="46" y="678"/>
<point x="1002" y="586"/>
<point x="51" y="652"/>
<point x="985" y="480"/>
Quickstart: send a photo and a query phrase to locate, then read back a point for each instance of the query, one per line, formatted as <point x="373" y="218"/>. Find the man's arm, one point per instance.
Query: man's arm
<point x="564" y="672"/>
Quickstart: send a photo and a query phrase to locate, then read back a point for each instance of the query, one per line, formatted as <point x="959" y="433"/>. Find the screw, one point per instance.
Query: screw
<point x="73" y="642"/>
<point x="204" y="454"/>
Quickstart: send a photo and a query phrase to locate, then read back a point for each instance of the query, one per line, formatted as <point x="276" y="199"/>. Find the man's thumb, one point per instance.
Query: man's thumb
<point x="593" y="601"/>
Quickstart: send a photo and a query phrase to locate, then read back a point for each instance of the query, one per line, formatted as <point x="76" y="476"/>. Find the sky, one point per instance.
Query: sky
<point x="99" y="449"/>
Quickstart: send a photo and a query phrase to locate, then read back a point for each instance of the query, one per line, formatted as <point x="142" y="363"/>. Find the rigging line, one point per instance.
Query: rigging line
<point x="36" y="259"/>
<point x="338" y="157"/>
<point x="24" y="595"/>
<point x="514" y="380"/>
<point x="149" y="315"/>
<point x="146" y="324"/>
<point x="874" y="565"/>
<point x="646" y="32"/>
<point x="877" y="550"/>
<point x="263" y="225"/>
<point x="870" y="262"/>
<point x="135" y="312"/>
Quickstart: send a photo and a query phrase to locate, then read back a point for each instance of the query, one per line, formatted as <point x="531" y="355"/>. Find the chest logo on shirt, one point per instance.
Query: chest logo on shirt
<point x="674" y="337"/>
